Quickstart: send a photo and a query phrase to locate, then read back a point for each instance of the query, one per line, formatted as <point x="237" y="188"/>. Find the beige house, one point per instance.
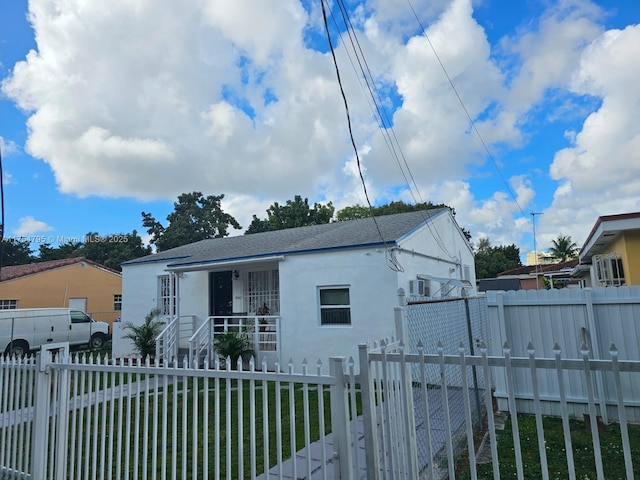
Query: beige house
<point x="75" y="283"/>
<point x="611" y="254"/>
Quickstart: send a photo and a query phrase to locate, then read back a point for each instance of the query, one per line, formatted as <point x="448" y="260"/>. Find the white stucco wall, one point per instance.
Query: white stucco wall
<point x="140" y="296"/>
<point x="373" y="294"/>
<point x="438" y="250"/>
<point x="373" y="290"/>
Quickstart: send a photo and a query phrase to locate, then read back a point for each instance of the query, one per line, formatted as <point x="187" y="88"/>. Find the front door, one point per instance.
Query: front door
<point x="220" y="293"/>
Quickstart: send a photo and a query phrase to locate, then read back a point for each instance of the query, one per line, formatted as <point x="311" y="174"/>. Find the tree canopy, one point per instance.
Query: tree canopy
<point x="294" y="213"/>
<point x="357" y="211"/>
<point x="112" y="250"/>
<point x="490" y="261"/>
<point x="108" y="250"/>
<point x="563" y="248"/>
<point x="16" y="252"/>
<point x="194" y="218"/>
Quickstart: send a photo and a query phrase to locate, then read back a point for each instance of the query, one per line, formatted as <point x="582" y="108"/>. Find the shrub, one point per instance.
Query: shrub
<point x="144" y="336"/>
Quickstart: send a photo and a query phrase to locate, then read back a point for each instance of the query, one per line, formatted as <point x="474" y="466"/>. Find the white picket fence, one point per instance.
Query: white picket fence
<point x="393" y="400"/>
<point x="84" y="418"/>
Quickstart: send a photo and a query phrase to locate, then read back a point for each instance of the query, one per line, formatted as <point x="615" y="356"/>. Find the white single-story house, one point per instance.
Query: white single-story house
<point x="309" y="292"/>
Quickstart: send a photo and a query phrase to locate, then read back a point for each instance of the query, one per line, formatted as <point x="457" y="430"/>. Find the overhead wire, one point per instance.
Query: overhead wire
<point x="383" y="120"/>
<point x="391" y="257"/>
<point x="466" y="111"/>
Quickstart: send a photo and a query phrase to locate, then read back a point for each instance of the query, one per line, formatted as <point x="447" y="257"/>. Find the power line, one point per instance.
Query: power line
<point x="466" y="111"/>
<point x="384" y="123"/>
<point x="391" y="256"/>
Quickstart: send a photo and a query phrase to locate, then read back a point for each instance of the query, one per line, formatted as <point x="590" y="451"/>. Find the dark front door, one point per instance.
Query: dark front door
<point x="220" y="293"/>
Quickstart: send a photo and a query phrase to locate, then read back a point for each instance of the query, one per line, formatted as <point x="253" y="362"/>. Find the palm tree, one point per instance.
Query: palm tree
<point x="563" y="248"/>
<point x="144" y="336"/>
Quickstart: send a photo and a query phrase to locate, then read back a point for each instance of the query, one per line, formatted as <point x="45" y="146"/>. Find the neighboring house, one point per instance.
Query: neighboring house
<point x="328" y="286"/>
<point x="611" y="254"/>
<point x="75" y="283"/>
<point x="532" y="277"/>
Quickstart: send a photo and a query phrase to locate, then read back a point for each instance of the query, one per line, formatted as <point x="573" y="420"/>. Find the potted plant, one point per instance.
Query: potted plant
<point x="233" y="346"/>
<point x="262" y="311"/>
<point x="144" y="336"/>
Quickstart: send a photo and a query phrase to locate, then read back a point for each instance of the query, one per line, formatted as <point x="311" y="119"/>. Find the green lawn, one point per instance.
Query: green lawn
<point x="610" y="444"/>
<point x="190" y="443"/>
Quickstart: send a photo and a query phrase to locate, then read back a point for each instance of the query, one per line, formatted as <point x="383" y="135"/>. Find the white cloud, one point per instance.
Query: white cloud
<point x="152" y="99"/>
<point x="7" y="147"/>
<point x="29" y="225"/>
<point x="600" y="173"/>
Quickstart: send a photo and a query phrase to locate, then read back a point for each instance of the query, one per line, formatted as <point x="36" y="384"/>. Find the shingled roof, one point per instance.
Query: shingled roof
<point x="17" y="271"/>
<point x="330" y="236"/>
<point x="541" y="269"/>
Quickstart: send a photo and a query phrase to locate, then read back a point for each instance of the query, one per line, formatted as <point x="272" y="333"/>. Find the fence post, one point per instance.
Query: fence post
<point x="340" y="421"/>
<point x="402" y="299"/>
<point x="62" y="411"/>
<point x="41" y="415"/>
<point x="400" y="318"/>
<point x="472" y="352"/>
<point x="368" y="418"/>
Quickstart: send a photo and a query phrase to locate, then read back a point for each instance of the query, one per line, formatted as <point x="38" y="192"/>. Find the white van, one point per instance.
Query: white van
<point x="27" y="329"/>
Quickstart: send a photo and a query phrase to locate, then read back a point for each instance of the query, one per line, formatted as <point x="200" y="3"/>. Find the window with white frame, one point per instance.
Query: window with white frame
<point x="166" y="304"/>
<point x="608" y="270"/>
<point x="263" y="288"/>
<point x="335" y="306"/>
<point x="8" y="304"/>
<point x="117" y="302"/>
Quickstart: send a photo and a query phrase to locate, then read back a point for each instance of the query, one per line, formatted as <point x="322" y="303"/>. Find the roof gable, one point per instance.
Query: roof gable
<point x="387" y="229"/>
<point x="18" y="271"/>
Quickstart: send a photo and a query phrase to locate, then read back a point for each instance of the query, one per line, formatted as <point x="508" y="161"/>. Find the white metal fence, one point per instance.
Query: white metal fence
<point x="90" y="418"/>
<point x="394" y="407"/>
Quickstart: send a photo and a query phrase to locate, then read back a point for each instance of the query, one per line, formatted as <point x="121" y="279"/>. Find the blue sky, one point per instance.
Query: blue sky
<point x="108" y="111"/>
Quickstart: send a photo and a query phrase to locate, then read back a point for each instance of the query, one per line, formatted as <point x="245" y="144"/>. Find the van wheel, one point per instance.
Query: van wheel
<point x="97" y="341"/>
<point x="17" y="348"/>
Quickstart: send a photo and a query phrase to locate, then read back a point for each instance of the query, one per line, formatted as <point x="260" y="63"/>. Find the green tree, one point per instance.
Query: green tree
<point x="112" y="250"/>
<point x="66" y="250"/>
<point x="194" y="218"/>
<point x="357" y="211"/>
<point x="294" y="213"/>
<point x="563" y="248"/>
<point x="490" y="261"/>
<point x="16" y="252"/>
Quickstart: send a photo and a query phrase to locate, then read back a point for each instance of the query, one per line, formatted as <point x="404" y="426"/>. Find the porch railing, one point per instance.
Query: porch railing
<point x="263" y="331"/>
<point x="176" y="334"/>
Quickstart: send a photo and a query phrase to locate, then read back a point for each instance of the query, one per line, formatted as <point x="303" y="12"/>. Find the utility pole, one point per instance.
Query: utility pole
<point x="535" y="252"/>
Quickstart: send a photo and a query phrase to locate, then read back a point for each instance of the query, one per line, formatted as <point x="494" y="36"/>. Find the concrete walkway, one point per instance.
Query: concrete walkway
<point x="325" y="470"/>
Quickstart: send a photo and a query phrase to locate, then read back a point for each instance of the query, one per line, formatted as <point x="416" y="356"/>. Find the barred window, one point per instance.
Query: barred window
<point x="335" y="308"/>
<point x="263" y="287"/>
<point x="166" y="304"/>
<point x="8" y="304"/>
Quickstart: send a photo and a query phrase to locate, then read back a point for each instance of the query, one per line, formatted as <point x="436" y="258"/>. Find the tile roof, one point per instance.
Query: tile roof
<point x="330" y="236"/>
<point x="546" y="268"/>
<point x="17" y="271"/>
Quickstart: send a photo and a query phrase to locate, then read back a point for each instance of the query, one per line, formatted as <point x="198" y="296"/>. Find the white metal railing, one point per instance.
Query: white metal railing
<point x="167" y="342"/>
<point x="263" y="331"/>
<point x="96" y="418"/>
<point x="175" y="335"/>
<point x="388" y="398"/>
<point x="86" y="417"/>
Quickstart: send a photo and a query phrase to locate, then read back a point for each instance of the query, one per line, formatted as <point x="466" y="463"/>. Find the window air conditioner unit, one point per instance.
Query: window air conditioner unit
<point x="418" y="288"/>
